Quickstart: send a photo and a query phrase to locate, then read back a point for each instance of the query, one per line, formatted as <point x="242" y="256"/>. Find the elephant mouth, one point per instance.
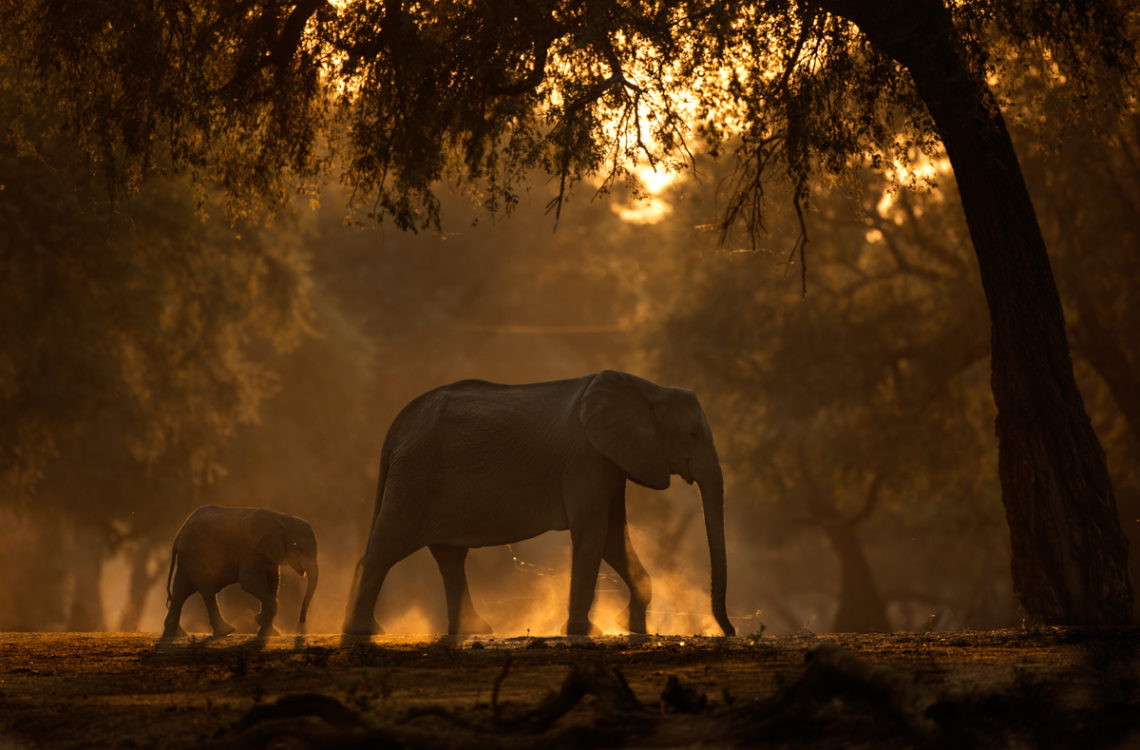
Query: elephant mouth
<point x="687" y="471"/>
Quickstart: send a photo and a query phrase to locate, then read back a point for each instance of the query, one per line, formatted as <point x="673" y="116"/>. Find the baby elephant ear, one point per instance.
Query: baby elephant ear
<point x="265" y="532"/>
<point x="619" y="423"/>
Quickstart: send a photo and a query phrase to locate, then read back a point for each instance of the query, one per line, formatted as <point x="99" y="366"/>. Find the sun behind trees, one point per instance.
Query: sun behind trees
<point x="401" y="95"/>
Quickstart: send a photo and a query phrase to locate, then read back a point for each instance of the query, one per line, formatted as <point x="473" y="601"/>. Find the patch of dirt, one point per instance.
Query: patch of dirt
<point x="1035" y="688"/>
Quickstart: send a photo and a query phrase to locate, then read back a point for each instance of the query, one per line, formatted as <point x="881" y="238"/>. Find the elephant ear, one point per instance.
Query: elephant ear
<point x="620" y="424"/>
<point x="265" y="532"/>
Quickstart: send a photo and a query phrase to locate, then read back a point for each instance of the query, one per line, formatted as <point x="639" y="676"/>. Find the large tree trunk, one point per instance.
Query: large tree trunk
<point x="1070" y="556"/>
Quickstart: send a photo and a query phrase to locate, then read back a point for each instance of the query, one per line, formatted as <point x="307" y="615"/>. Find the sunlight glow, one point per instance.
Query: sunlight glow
<point x="921" y="172"/>
<point x="680" y="607"/>
<point x="650" y="208"/>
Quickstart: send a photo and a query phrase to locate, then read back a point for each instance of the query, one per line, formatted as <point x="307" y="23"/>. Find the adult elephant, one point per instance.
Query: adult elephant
<point x="474" y="464"/>
<point x="217" y="546"/>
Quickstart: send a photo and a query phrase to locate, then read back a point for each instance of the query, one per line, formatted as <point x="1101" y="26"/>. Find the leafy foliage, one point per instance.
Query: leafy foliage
<point x="866" y="402"/>
<point x="130" y="332"/>
<point x="257" y="93"/>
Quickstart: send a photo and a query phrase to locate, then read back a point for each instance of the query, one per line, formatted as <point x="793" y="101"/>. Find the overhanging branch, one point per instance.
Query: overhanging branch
<point x="280" y="53"/>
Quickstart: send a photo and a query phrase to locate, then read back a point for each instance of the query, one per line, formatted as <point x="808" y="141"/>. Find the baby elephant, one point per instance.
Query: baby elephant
<point x="218" y="546"/>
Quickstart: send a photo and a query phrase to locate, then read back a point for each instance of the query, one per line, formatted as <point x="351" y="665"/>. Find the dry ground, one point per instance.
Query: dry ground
<point x="1037" y="688"/>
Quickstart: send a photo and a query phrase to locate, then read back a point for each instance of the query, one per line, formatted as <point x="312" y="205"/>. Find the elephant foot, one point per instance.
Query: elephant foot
<point x="172" y="628"/>
<point x="581" y="627"/>
<point x="632" y="623"/>
<point x="471" y="625"/>
<point x="265" y="626"/>
<point x="366" y="627"/>
<point x="223" y="629"/>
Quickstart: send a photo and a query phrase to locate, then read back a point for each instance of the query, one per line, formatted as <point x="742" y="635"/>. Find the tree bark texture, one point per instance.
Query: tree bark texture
<point x="1069" y="553"/>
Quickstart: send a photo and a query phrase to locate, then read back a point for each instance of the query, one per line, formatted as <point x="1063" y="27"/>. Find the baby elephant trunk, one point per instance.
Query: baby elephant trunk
<point x="311" y="576"/>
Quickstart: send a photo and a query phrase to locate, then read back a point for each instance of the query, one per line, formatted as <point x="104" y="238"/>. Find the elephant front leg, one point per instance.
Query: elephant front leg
<point x="262" y="581"/>
<point x="587" y="546"/>
<point x="461" y="615"/>
<point x="590" y="490"/>
<point x="621" y="557"/>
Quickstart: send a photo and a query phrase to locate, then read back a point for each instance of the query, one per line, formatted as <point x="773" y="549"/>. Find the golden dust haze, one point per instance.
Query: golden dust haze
<point x="263" y="367"/>
<point x="381" y="316"/>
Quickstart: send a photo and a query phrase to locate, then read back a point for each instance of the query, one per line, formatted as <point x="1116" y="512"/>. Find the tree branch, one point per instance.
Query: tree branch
<point x="535" y="75"/>
<point x="870" y="503"/>
<point x="281" y="51"/>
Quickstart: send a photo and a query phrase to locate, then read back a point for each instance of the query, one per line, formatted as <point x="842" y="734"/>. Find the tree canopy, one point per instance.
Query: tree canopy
<point x="134" y="336"/>
<point x="143" y="329"/>
<point x="399" y="95"/>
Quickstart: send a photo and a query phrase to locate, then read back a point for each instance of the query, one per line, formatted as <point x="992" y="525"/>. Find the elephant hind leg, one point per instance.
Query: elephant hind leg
<point x="461" y="615"/>
<point x="180" y="591"/>
<point x="385" y="549"/>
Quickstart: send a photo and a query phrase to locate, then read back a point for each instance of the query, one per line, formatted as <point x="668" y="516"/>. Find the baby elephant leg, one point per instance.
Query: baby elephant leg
<point x="261" y="581"/>
<point x="217" y="622"/>
<point x="180" y="591"/>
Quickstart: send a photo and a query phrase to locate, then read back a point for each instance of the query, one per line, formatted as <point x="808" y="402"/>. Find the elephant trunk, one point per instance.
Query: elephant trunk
<point x="711" y="484"/>
<point x="311" y="576"/>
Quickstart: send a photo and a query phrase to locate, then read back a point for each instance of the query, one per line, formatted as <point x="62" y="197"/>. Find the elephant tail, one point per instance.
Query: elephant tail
<point x="385" y="460"/>
<point x="356" y="574"/>
<point x="170" y="575"/>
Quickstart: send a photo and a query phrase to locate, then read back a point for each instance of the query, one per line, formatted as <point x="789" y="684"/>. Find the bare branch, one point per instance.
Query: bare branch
<point x="801" y="241"/>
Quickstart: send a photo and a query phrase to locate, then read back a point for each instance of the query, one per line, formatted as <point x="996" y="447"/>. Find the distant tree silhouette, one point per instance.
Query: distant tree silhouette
<point x="134" y="338"/>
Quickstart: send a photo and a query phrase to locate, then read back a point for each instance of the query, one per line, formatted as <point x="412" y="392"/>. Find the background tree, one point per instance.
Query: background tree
<point x="133" y="341"/>
<point x="883" y="363"/>
<point x="860" y="411"/>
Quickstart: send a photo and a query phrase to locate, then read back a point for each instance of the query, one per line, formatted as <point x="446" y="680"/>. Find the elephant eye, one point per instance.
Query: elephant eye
<point x="694" y="433"/>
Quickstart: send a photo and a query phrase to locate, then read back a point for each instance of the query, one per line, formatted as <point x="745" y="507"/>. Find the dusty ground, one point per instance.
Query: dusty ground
<point x="1062" y="688"/>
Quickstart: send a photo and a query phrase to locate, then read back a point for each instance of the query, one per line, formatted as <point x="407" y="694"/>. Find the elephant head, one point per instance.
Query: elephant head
<point x="652" y="432"/>
<point x="286" y="539"/>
